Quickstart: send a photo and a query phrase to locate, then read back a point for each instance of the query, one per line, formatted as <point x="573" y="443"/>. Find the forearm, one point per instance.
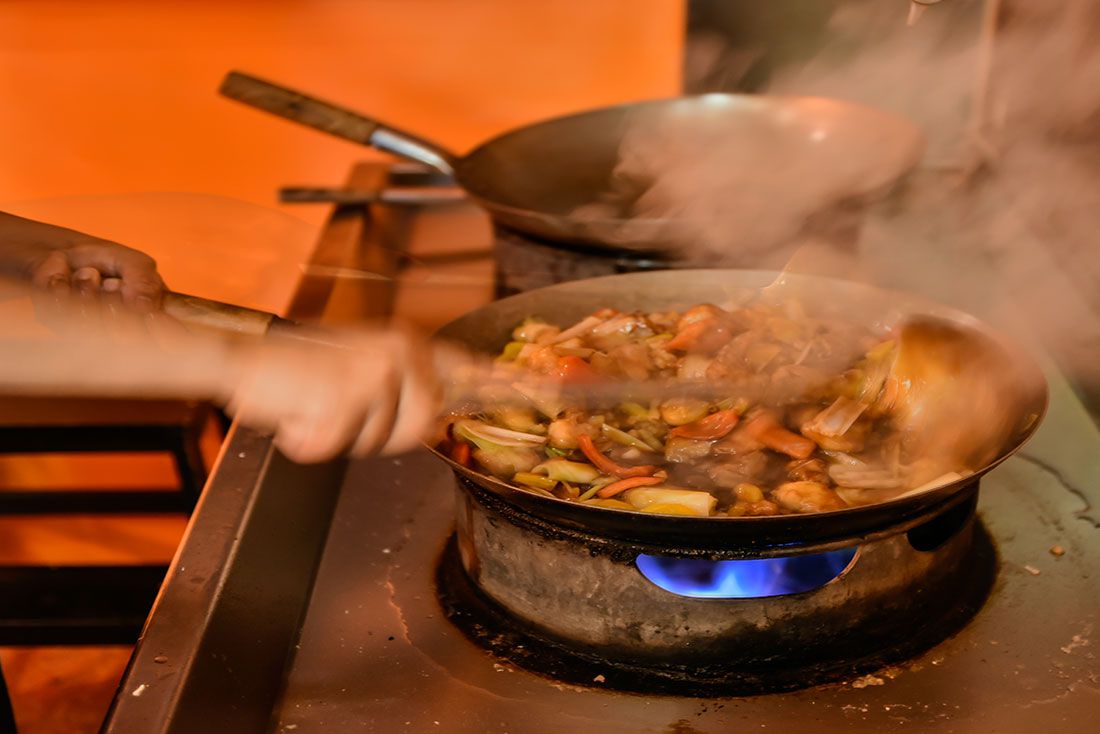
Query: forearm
<point x="201" y="368"/>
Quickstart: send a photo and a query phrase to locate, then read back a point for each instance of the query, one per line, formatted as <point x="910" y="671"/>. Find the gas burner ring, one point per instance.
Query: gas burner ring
<point x="566" y="603"/>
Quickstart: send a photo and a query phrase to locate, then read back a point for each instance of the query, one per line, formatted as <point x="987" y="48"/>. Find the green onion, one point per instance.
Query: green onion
<point x="488" y="436"/>
<point x="535" y="481"/>
<point x="511" y="351"/>
<point x="563" y="470"/>
<point x="589" y="494"/>
<point x="623" y="438"/>
<point x="634" y="410"/>
<point x="652" y="439"/>
<point x="596" y="486"/>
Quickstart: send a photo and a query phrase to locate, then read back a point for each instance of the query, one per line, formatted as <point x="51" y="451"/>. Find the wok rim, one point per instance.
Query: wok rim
<point x="901" y="506"/>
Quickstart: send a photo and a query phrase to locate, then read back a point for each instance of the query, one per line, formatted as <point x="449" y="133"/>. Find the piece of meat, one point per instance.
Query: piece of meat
<point x="803" y="497"/>
<point x="808" y="470"/>
<point x="740" y="441"/>
<point x="681" y="450"/>
<point x="762" y="508"/>
<point x="735" y="470"/>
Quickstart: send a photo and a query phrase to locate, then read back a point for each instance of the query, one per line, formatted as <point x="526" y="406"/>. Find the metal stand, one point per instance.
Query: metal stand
<point x="77" y="605"/>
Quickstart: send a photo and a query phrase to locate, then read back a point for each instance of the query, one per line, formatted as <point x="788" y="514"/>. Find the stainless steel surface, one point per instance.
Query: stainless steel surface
<point x="409" y="147"/>
<point x="207" y="645"/>
<point x="375" y="655"/>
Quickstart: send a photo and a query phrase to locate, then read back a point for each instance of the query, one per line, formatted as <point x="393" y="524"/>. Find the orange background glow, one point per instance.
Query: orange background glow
<point x="107" y="99"/>
<point x="120" y="95"/>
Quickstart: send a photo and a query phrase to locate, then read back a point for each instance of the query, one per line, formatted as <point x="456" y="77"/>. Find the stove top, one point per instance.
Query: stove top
<point x="376" y="654"/>
<point x="304" y="599"/>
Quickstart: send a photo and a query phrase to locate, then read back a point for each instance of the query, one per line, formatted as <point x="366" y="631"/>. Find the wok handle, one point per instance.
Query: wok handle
<point x="218" y="316"/>
<point x="335" y="120"/>
<point x="422" y="195"/>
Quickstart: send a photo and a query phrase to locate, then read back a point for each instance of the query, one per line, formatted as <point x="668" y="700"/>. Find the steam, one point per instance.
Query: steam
<point x="738" y="178"/>
<point x="1003" y="215"/>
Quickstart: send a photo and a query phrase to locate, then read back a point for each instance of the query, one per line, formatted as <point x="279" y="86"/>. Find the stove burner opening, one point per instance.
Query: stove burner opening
<point x="756" y="578"/>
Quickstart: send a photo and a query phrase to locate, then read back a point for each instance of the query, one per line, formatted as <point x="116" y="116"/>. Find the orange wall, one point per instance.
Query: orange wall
<point x="108" y="96"/>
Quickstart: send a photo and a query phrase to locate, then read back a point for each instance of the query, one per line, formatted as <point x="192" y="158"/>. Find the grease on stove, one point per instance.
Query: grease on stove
<point x="868" y="680"/>
<point x="1078" y="641"/>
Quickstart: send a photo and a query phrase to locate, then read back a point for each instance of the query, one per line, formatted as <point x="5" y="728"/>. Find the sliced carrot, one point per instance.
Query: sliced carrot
<point x="629" y="483"/>
<point x="706" y="335"/>
<point x="606" y="465"/>
<point x="574" y="369"/>
<point x="714" y="426"/>
<point x="460" y="453"/>
<point x="765" y="428"/>
<point x="686" y="337"/>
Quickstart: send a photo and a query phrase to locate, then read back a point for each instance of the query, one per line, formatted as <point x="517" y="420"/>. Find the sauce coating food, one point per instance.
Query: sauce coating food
<point x="762" y="410"/>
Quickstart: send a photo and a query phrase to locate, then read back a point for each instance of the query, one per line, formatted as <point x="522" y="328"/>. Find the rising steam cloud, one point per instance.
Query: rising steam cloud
<point x="1003" y="216"/>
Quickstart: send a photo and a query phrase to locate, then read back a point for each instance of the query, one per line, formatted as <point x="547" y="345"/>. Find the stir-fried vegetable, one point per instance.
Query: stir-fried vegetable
<point x="765" y="428"/>
<point x="710" y="428"/>
<point x="701" y="503"/>
<point x="802" y="424"/>
<point x="487" y="436"/>
<point x="563" y="470"/>
<point x="629" y="483"/>
<point x="626" y="439"/>
<point x="536" y="481"/>
<point x="606" y="465"/>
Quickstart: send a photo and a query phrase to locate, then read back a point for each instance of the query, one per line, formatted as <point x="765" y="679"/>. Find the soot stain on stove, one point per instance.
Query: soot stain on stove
<point x="682" y="726"/>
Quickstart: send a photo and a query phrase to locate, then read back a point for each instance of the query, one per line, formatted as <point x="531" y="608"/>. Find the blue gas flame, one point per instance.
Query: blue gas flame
<point x="744" y="579"/>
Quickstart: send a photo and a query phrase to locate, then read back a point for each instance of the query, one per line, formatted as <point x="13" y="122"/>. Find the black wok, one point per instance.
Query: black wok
<point x="488" y="328"/>
<point x="534" y="179"/>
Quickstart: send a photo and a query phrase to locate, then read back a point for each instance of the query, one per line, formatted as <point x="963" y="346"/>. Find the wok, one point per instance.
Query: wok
<point x="534" y="178"/>
<point x="488" y="328"/>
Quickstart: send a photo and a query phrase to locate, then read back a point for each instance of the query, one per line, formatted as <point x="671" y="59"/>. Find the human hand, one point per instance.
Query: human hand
<point x="62" y="261"/>
<point x="354" y="393"/>
<point x="94" y="266"/>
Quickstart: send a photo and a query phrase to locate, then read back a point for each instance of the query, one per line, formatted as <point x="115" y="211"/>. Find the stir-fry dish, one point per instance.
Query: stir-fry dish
<point x="758" y="410"/>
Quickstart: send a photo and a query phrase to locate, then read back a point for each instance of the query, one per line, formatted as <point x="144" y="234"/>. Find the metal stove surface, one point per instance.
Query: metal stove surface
<point x="376" y="654"/>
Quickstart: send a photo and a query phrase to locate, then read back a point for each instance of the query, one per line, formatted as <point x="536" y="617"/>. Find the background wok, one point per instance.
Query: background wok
<point x="534" y="178"/>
